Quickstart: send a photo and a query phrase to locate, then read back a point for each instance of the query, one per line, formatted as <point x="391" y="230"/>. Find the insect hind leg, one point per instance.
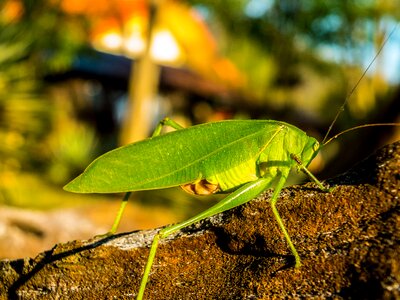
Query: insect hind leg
<point x="166" y="122"/>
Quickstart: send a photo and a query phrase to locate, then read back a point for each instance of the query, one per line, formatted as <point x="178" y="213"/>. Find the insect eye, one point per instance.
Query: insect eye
<point x="316" y="146"/>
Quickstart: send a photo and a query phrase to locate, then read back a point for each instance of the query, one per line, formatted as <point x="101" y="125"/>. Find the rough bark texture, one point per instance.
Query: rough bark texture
<point x="349" y="241"/>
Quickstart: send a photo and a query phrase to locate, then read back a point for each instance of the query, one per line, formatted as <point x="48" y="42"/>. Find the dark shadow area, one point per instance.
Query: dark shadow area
<point x="361" y="288"/>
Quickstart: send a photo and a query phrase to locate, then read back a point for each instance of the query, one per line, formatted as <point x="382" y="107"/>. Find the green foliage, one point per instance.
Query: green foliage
<point x="33" y="42"/>
<point x="72" y="149"/>
<point x="55" y="38"/>
<point x="24" y="113"/>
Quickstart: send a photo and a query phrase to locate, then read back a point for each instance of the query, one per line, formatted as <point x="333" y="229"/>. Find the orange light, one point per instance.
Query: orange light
<point x="11" y="11"/>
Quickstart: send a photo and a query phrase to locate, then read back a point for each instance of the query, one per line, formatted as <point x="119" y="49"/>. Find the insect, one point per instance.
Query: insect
<point x="240" y="157"/>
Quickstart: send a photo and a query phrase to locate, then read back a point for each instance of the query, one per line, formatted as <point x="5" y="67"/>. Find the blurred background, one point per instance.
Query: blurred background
<point x="79" y="78"/>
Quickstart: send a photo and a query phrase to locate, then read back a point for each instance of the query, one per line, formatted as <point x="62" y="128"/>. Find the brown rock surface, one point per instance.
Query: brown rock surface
<point x="349" y="241"/>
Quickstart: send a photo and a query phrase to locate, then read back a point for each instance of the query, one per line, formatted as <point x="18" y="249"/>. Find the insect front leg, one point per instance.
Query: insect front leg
<point x="311" y="175"/>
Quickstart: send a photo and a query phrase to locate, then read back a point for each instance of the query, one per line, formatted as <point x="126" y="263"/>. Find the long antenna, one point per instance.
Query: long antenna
<point x="341" y="109"/>
<point x="358" y="127"/>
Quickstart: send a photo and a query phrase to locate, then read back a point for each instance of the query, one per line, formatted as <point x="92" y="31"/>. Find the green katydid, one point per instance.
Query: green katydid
<point x="240" y="157"/>
<point x="243" y="156"/>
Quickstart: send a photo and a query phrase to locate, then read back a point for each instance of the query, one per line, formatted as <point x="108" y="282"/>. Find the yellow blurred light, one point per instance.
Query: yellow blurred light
<point x="134" y="45"/>
<point x="111" y="41"/>
<point x="165" y="49"/>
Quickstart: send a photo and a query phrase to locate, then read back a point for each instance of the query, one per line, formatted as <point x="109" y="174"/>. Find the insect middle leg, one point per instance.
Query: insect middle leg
<point x="274" y="199"/>
<point x="281" y="182"/>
